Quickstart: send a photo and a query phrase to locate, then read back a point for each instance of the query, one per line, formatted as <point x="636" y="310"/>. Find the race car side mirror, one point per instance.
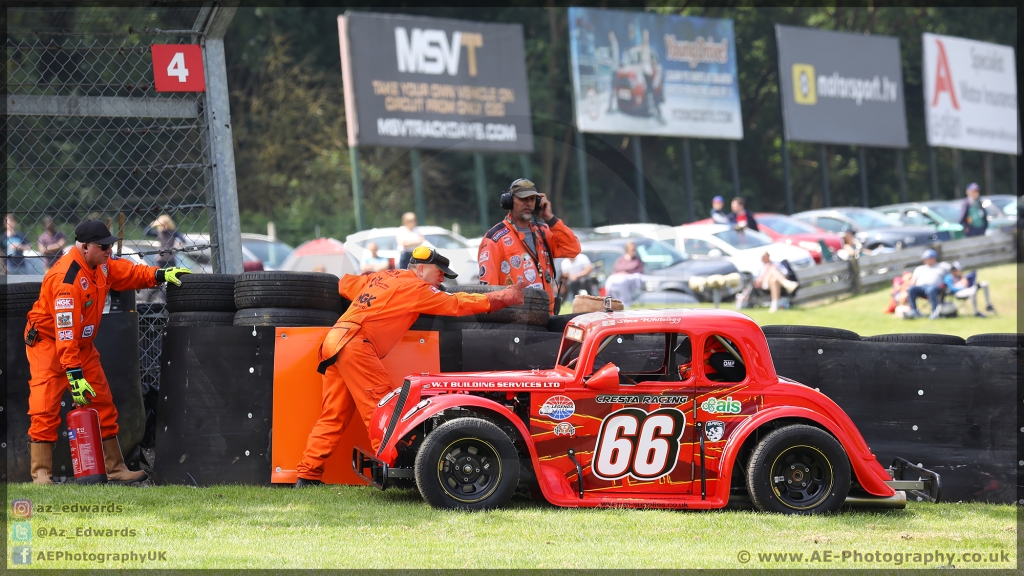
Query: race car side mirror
<point x="606" y="378"/>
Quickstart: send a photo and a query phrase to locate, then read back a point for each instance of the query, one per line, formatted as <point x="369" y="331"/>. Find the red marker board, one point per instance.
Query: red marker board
<point x="178" y="68"/>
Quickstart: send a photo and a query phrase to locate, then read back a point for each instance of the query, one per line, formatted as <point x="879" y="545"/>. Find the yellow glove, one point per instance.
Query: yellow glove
<point x="79" y="386"/>
<point x="170" y="275"/>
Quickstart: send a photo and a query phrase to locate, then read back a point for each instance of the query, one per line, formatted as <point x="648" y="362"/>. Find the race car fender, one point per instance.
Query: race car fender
<point x="389" y="453"/>
<point x="865" y="466"/>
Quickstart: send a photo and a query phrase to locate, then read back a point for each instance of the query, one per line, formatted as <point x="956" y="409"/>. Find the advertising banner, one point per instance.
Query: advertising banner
<point x="841" y="88"/>
<point x="970" y="94"/>
<point x="648" y="74"/>
<point x="434" y="83"/>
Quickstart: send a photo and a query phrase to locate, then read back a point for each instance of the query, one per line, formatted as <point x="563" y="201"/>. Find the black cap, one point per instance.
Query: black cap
<point x="94" y="232"/>
<point x="426" y="255"/>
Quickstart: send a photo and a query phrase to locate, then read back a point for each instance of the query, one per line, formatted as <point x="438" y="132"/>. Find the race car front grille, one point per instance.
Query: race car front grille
<point x="403" y="396"/>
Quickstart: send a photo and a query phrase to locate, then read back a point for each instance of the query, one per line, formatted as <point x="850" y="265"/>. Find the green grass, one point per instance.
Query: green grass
<point x="351" y="527"/>
<point x="864" y="314"/>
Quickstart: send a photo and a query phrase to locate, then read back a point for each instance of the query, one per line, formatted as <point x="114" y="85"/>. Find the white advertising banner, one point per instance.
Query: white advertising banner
<point x="970" y="95"/>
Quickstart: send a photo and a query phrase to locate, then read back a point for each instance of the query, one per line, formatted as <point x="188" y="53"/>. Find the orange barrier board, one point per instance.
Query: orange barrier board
<point x="298" y="395"/>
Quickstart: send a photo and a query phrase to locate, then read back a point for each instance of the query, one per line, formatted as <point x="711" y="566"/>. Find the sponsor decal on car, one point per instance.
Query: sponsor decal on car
<point x="574" y="333"/>
<point x="84" y="283"/>
<point x="64" y="304"/>
<point x="564" y="429"/>
<point x="640" y="399"/>
<point x="65" y="335"/>
<point x="87" y="331"/>
<point x="714" y="430"/>
<point x="516" y="262"/>
<point x="507" y="241"/>
<point x="721" y="406"/>
<point x="634" y="442"/>
<point x="729" y="363"/>
<point x="558" y="407"/>
<point x="607" y="322"/>
<point x="65" y="320"/>
<point x="499" y="385"/>
<point x="530" y="274"/>
<point x="505" y="269"/>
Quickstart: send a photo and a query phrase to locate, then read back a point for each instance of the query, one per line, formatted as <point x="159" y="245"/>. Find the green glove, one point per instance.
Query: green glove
<point x="170" y="275"/>
<point x="79" y="386"/>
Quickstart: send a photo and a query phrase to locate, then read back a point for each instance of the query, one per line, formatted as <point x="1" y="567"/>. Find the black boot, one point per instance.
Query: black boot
<point x="303" y="483"/>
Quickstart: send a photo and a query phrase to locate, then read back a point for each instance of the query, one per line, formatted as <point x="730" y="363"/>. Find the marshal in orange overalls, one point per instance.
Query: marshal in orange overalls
<point x="384" y="306"/>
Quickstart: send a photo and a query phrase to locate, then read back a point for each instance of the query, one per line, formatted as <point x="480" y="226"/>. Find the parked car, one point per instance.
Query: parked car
<point x="743" y="248"/>
<point x="630" y="85"/>
<point x="871" y="228"/>
<point x="998" y="222"/>
<point x="918" y="214"/>
<point x="667" y="272"/>
<point x="1006" y="203"/>
<point x="789" y="230"/>
<point x="271" y="251"/>
<point x="457" y="249"/>
<point x="203" y="256"/>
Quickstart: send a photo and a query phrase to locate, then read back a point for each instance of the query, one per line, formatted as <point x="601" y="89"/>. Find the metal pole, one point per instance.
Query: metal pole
<point x="958" y="173"/>
<point x="863" y="166"/>
<point x="688" y="174"/>
<point x="227" y="223"/>
<point x="785" y="177"/>
<point x="417" y="186"/>
<point x="581" y="166"/>
<point x="734" y="160"/>
<point x="988" y="174"/>
<point x="901" y="167"/>
<point x="933" y="168"/>
<point x="641" y="194"/>
<point x="526" y="166"/>
<point x="826" y="192"/>
<point x="357" y="186"/>
<point x="481" y="190"/>
<point x="1013" y="174"/>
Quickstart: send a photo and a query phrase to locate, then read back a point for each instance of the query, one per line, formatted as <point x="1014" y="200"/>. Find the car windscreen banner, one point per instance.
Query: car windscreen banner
<point x="434" y="83"/>
<point x="841" y="88"/>
<point x="649" y="74"/>
<point x="970" y="94"/>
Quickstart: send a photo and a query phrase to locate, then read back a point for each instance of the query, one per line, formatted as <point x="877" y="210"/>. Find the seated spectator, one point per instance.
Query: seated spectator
<point x="372" y="262"/>
<point x="963" y="287"/>
<point x="851" y="249"/>
<point x="770" y="277"/>
<point x="576" y="275"/>
<point x="926" y="283"/>
<point x="624" y="283"/>
<point x="900" y="286"/>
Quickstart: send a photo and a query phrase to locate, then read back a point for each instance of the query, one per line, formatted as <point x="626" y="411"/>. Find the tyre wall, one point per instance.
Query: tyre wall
<point x="117" y="342"/>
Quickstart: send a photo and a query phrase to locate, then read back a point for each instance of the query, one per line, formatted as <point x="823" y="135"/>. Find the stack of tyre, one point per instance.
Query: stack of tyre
<point x="202" y="300"/>
<point x="17" y="298"/>
<point x="531" y="315"/>
<point x="276" y="298"/>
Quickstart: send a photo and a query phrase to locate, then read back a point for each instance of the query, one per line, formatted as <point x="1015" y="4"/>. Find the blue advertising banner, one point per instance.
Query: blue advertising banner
<point x="649" y="74"/>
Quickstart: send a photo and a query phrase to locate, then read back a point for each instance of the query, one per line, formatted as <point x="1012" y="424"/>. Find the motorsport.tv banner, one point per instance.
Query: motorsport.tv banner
<point x="649" y="74"/>
<point x="970" y="94"/>
<point x="841" y="88"/>
<point x="434" y="83"/>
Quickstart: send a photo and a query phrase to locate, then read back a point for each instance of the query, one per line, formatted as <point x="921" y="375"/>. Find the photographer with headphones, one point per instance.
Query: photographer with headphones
<point x="519" y="248"/>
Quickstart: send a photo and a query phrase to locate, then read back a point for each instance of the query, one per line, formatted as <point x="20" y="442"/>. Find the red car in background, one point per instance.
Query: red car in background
<point x="789" y="230"/>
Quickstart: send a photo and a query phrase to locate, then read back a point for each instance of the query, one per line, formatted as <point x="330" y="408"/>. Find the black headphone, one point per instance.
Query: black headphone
<point x="506" y="197"/>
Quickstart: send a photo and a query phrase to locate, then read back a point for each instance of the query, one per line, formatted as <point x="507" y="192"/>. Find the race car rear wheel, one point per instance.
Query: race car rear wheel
<point x="467" y="464"/>
<point x="798" y="469"/>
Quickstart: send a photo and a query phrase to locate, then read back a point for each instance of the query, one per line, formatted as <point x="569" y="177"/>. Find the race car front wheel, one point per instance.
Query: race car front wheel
<point x="798" y="469"/>
<point x="467" y="464"/>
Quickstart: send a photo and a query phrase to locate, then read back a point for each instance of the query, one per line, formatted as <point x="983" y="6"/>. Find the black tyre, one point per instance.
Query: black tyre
<point x="1012" y="340"/>
<point x="467" y="464"/>
<point x="201" y="319"/>
<point x="942" y="339"/>
<point x="312" y="290"/>
<point x="812" y="331"/>
<point x="285" y="317"/>
<point x="534" y="309"/>
<point x="558" y="323"/>
<point x="798" y="469"/>
<point x="456" y="326"/>
<point x="428" y="322"/>
<point x="19" y="298"/>
<point x="202" y="293"/>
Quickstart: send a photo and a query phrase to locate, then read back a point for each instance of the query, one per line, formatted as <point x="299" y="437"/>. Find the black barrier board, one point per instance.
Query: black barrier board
<point x="486" y="350"/>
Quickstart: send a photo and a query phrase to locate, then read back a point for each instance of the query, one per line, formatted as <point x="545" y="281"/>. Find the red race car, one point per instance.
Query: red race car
<point x="645" y="408"/>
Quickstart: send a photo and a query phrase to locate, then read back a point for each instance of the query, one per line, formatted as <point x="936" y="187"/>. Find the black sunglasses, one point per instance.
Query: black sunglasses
<point x="103" y="247"/>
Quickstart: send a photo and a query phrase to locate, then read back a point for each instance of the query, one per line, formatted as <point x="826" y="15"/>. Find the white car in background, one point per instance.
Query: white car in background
<point x="744" y="249"/>
<point x="633" y="230"/>
<point x="459" y="252"/>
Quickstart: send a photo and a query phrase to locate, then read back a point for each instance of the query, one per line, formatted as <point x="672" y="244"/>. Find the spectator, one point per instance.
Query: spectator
<point x="372" y="262"/>
<point x="740" y="218"/>
<point x="717" y="212"/>
<point x="625" y="280"/>
<point x="168" y="238"/>
<point x="15" y="246"/>
<point x="770" y="277"/>
<point x="51" y="242"/>
<point x="408" y="239"/>
<point x="576" y="273"/>
<point x="972" y="214"/>
<point x="851" y="249"/>
<point x="963" y="287"/>
<point x="927" y="283"/>
<point x="900" y="286"/>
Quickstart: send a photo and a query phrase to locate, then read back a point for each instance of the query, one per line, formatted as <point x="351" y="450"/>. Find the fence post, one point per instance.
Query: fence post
<point x="855" y="275"/>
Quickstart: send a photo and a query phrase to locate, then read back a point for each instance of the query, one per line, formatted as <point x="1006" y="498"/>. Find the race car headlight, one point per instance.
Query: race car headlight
<point x="422" y="404"/>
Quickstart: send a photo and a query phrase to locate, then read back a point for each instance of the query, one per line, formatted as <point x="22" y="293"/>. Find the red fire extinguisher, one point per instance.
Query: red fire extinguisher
<point x="86" y="446"/>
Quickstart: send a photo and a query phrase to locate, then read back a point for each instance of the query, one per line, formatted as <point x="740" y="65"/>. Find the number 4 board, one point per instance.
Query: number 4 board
<point x="178" y="68"/>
